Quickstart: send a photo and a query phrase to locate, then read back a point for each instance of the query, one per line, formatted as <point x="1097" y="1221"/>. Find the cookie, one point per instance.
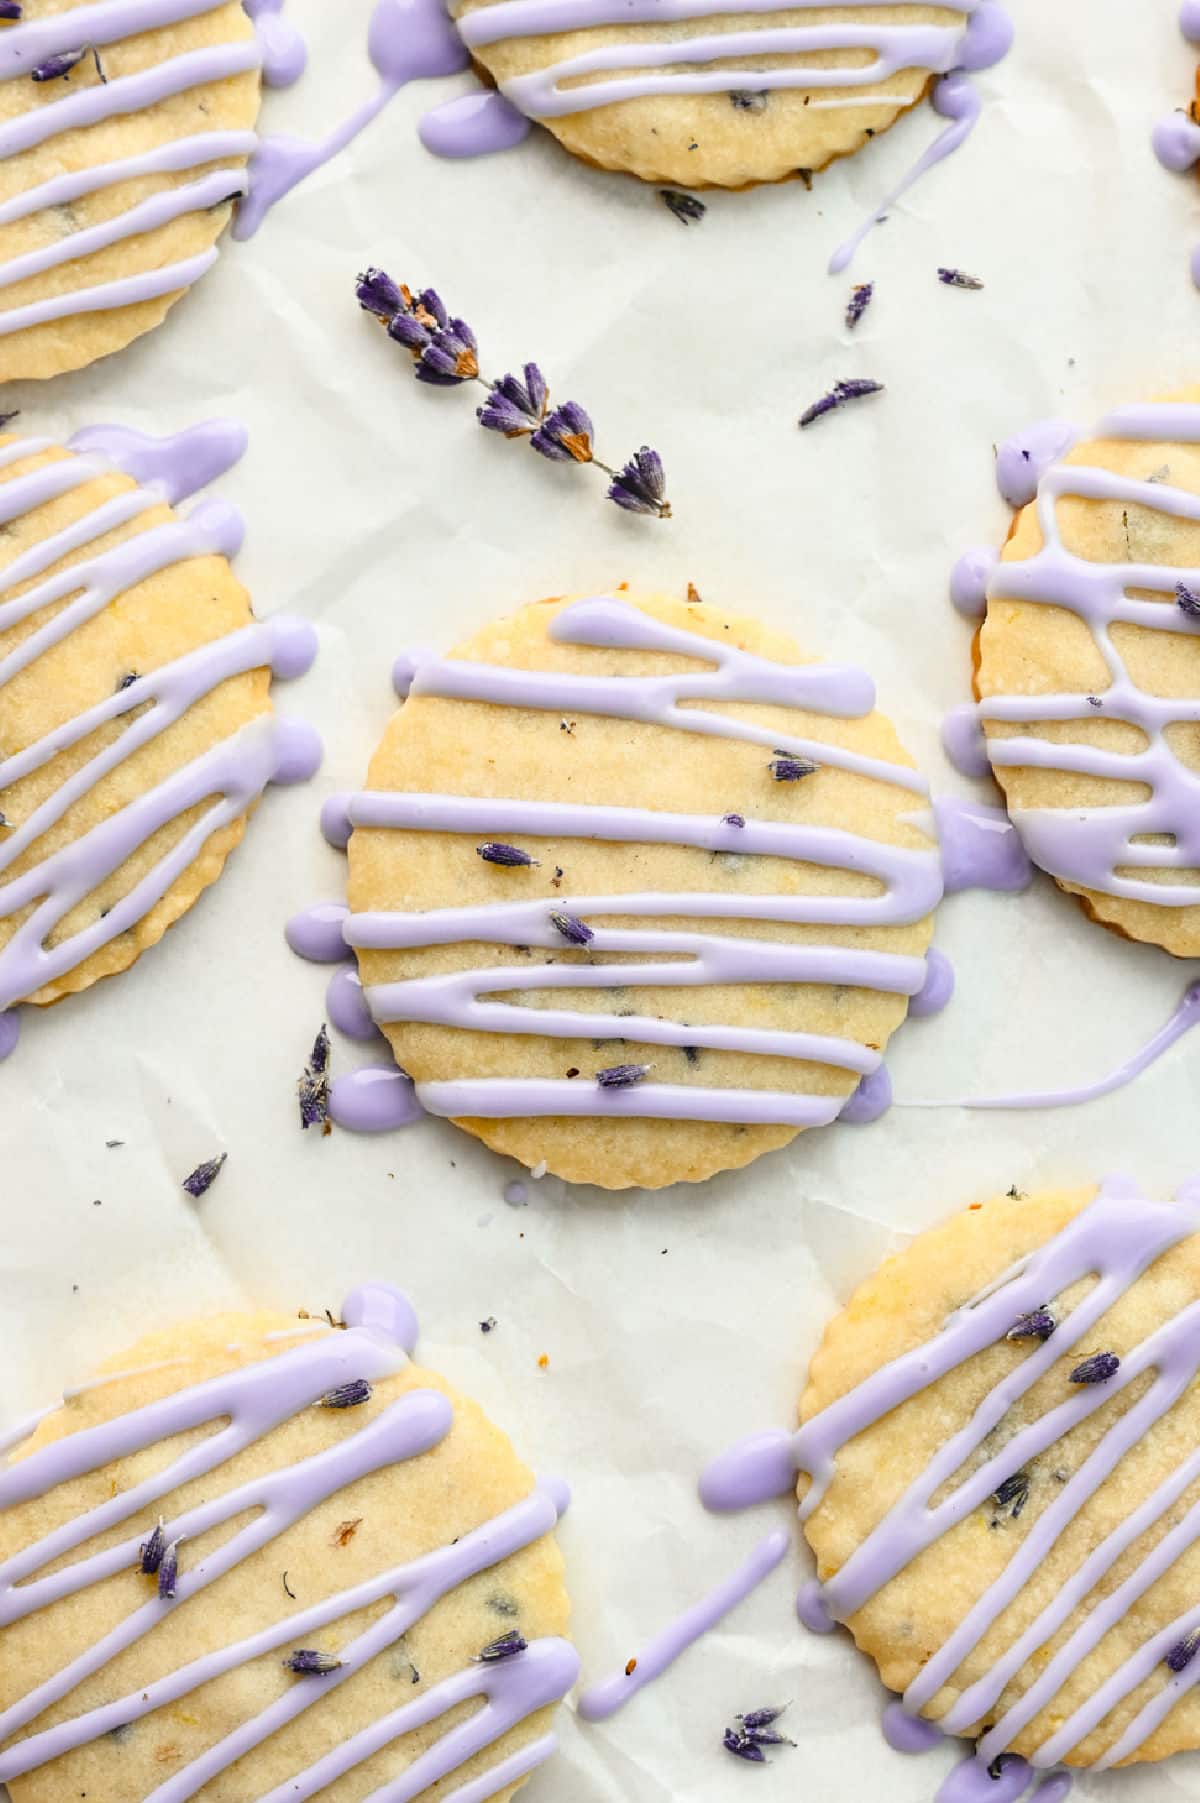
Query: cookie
<point x="259" y="1559"/>
<point x="136" y="731"/>
<point x="117" y="174"/>
<point x="1000" y="1432"/>
<point x="1088" y="672"/>
<point x="721" y="93"/>
<point x="636" y="892"/>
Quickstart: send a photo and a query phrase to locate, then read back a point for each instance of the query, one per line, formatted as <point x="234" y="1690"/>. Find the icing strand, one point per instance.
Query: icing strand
<point x="602" y="1700"/>
<point x="1176" y="138"/>
<point x="252" y="1400"/>
<point x="231" y="775"/>
<point x="909" y="888"/>
<point x="1103" y="848"/>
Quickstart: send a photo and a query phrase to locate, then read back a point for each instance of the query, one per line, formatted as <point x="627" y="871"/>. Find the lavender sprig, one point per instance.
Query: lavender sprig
<point x="1097" y="1369"/>
<point x="307" y="1663"/>
<point x="861" y="296"/>
<point x="839" y="394"/>
<point x="622" y="1076"/>
<point x="507" y="1647"/>
<point x="445" y="354"/>
<point x="204" y="1176"/>
<point x="958" y="278"/>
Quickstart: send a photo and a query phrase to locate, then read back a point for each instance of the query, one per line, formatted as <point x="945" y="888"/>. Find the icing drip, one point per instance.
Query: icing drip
<point x="1176" y="138"/>
<point x="981" y="848"/>
<point x="277" y="49"/>
<point x="1021" y="462"/>
<point x="474" y="125"/>
<point x="253" y="1399"/>
<point x="601" y="1700"/>
<point x="1114" y="1241"/>
<point x="230" y="776"/>
<point x="1097" y="847"/>
<point x="910" y="888"/>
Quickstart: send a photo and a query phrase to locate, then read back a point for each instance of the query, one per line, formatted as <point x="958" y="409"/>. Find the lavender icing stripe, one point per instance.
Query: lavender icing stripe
<point x="599" y="1701"/>
<point x="123" y="291"/>
<point x="528" y="923"/>
<point x="33" y="41"/>
<point x="165" y="159"/>
<point x="538" y="18"/>
<point x="505" y="1098"/>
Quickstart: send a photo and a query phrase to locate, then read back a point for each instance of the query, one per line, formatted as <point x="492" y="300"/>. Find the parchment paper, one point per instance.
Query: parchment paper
<point x="672" y="1322"/>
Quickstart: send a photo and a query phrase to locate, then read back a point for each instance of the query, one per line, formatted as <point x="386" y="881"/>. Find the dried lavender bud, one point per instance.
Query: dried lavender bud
<point x="1187" y="601"/>
<point x="1094" y="701"/>
<point x="307" y="1663"/>
<point x="791" y="770"/>
<point x="572" y="928"/>
<point x="1012" y="1494"/>
<point x="348" y="1396"/>
<point x="6" y="419"/>
<point x="10" y="9"/>
<point x="168" y="1572"/>
<point x="761" y="1718"/>
<point x="127" y="681"/>
<point x="996" y="1769"/>
<point x="488" y="1325"/>
<point x="641" y="486"/>
<point x="313" y="1088"/>
<point x="58" y="68"/>
<point x="565" y="436"/>
<point x="319" y="1057"/>
<point x="450" y="357"/>
<point x="747" y="100"/>
<point x="507" y="1647"/>
<point x="510" y="856"/>
<point x="1183" y="1652"/>
<point x="1039" y="1324"/>
<point x="838" y="395"/>
<point x="956" y="278"/>
<point x="622" y="1076"/>
<point x="409" y="332"/>
<point x="742" y="1747"/>
<point x="1097" y="1369"/>
<point x="515" y="408"/>
<point x="861" y="296"/>
<point x="204" y="1176"/>
<point x="150" y="1552"/>
<point x="685" y="207"/>
<point x="379" y="295"/>
<point x="733" y="820"/>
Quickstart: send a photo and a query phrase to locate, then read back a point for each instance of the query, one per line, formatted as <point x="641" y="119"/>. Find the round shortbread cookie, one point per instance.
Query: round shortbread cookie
<point x="135" y="714"/>
<point x="1100" y="626"/>
<point x="114" y="191"/>
<point x="793" y="915"/>
<point x="1000" y="1431"/>
<point x="299" y="1528"/>
<point x="600" y="77"/>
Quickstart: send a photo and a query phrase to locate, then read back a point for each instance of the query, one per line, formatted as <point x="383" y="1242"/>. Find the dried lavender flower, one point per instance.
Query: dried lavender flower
<point x="1187" y="601"/>
<point x="641" y="486"/>
<point x="685" y="207"/>
<point x="565" y="435"/>
<point x="622" y="1076"/>
<point x="1183" y="1652"/>
<point x="1013" y="1493"/>
<point x="1038" y="1324"/>
<point x="787" y="769"/>
<point x="733" y="820"/>
<point x="1097" y="1369"/>
<point x="748" y="100"/>
<point x="150" y="1552"/>
<point x="514" y="407"/>
<point x="204" y="1176"/>
<point x="313" y="1087"/>
<point x="450" y="357"/>
<point x="861" y="296"/>
<point x="350" y="1395"/>
<point x="511" y="857"/>
<point x="10" y="9"/>
<point x="58" y="68"/>
<point x="379" y="295"/>
<point x="742" y="1747"/>
<point x="576" y="931"/>
<point x="838" y="395"/>
<point x="307" y="1663"/>
<point x="761" y="1718"/>
<point x="957" y="278"/>
<point x="168" y="1572"/>
<point x="507" y="1647"/>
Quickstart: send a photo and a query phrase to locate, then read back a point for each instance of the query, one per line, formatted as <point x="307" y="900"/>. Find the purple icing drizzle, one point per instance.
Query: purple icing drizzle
<point x="230" y="776"/>
<point x="937" y="989"/>
<point x="981" y="848"/>
<point x="277" y="49"/>
<point x="1176" y="138"/>
<point x="378" y="1098"/>
<point x="473" y="125"/>
<point x="346" y="1005"/>
<point x="1022" y="461"/>
<point x="601" y="1700"/>
<point x="969" y="580"/>
<point x="379" y="1328"/>
<point x="1098" y="847"/>
<point x="870" y="1101"/>
<point x="906" y="1733"/>
<point x="910" y="883"/>
<point x="1114" y="1240"/>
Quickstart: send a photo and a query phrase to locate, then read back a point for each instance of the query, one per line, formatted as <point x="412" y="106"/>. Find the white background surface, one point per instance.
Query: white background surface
<point x="672" y="1322"/>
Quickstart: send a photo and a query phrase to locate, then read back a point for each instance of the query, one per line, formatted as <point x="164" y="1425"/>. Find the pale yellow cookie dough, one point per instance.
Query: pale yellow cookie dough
<point x="905" y="1305"/>
<point x="163" y="618"/>
<point x="1029" y="648"/>
<point x="229" y="105"/>
<point x="467" y="748"/>
<point x="706" y="140"/>
<point x="380" y="1521"/>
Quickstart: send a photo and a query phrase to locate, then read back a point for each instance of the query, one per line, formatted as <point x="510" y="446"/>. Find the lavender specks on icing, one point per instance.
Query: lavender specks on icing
<point x="856" y="389"/>
<point x="201" y="1180"/>
<point x="306" y="1662"/>
<point x="508" y="1646"/>
<point x="733" y="819"/>
<point x="861" y="296"/>
<point x="958" y="278"/>
<point x="573" y="930"/>
<point x="685" y="207"/>
<point x="622" y="1076"/>
<point x="350" y="1395"/>
<point x="508" y="857"/>
<point x="1100" y="1368"/>
<point x="1038" y="1324"/>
